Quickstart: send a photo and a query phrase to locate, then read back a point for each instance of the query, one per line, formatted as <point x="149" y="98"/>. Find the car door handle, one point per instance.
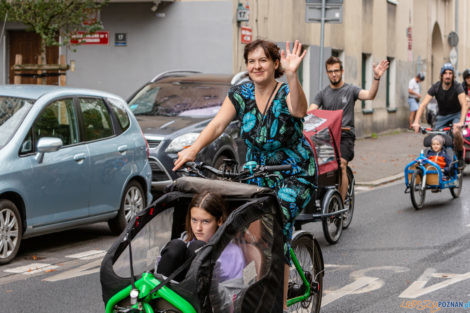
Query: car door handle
<point x="79" y="157"/>
<point x="122" y="149"/>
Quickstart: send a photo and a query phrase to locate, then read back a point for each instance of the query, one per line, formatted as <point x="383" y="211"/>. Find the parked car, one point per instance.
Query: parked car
<point x="68" y="157"/>
<point x="173" y="108"/>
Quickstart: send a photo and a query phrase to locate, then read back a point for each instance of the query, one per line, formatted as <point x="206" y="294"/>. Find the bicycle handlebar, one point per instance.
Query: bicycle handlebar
<point x="251" y="171"/>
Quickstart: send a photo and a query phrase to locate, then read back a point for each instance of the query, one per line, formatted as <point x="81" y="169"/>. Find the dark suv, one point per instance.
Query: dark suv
<point x="173" y="108"/>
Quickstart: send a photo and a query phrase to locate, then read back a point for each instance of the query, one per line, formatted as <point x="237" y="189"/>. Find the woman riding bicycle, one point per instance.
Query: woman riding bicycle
<point x="271" y="115"/>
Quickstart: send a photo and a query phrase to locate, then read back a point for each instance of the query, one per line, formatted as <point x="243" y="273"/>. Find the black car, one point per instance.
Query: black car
<point x="173" y="108"/>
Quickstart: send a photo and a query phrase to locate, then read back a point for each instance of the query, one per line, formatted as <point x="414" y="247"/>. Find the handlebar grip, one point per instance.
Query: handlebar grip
<point x="274" y="168"/>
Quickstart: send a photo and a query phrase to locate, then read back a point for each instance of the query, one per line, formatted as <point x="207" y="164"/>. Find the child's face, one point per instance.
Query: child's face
<point x="436" y="146"/>
<point x="203" y="224"/>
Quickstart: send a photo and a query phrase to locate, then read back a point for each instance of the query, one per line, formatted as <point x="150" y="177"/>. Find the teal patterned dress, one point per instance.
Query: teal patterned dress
<point x="273" y="139"/>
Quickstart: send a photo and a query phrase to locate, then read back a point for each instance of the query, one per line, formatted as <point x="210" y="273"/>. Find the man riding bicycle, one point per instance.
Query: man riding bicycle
<point x="339" y="95"/>
<point x="452" y="107"/>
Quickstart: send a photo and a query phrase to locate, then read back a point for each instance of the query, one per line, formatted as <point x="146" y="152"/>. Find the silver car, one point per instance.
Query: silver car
<point x="68" y="157"/>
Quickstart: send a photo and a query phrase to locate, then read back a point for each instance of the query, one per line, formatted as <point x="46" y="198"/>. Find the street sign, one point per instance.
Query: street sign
<point x="246" y="34"/>
<point x="453" y="39"/>
<point x="333" y="14"/>
<point x="243" y="13"/>
<point x="98" y="38"/>
<point x="453" y="56"/>
<point x="318" y="2"/>
<point x="120" y="39"/>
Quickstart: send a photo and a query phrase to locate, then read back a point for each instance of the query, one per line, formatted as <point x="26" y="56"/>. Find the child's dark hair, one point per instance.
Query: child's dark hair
<point x="212" y="203"/>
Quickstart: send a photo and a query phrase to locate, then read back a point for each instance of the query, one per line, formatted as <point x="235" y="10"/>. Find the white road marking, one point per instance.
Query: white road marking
<point x="468" y="225"/>
<point x="87" y="255"/>
<point x="362" y="283"/>
<point x="417" y="289"/>
<point x="32" y="268"/>
<point x="86" y="269"/>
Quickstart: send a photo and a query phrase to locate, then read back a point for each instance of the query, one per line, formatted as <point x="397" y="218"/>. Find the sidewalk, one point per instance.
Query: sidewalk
<point x="382" y="159"/>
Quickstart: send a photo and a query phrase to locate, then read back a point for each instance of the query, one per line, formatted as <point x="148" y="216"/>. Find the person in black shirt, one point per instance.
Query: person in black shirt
<point x="451" y="104"/>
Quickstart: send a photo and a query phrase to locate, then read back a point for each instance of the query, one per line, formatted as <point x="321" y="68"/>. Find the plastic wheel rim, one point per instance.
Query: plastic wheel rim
<point x="8" y="232"/>
<point x="133" y="203"/>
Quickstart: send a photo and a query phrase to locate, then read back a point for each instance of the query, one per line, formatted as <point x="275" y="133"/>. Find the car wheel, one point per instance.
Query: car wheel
<point x="132" y="202"/>
<point x="10" y="231"/>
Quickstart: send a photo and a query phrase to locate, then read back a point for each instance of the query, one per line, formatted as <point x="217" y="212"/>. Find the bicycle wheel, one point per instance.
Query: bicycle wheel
<point x="332" y="225"/>
<point x="349" y="200"/>
<point x="310" y="260"/>
<point x="417" y="192"/>
<point x="455" y="191"/>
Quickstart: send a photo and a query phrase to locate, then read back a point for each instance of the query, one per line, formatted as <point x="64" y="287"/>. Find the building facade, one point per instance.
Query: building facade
<point x="412" y="34"/>
<point x="160" y="36"/>
<point x="204" y="35"/>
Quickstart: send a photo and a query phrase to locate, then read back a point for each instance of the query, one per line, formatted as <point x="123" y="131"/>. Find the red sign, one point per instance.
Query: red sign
<point x="247" y="34"/>
<point x="98" y="38"/>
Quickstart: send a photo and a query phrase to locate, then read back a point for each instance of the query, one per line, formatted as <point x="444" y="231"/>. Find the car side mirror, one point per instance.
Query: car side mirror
<point x="47" y="144"/>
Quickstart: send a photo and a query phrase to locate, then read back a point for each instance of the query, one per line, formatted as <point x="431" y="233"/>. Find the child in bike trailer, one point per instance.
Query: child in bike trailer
<point x="438" y="155"/>
<point x="207" y="212"/>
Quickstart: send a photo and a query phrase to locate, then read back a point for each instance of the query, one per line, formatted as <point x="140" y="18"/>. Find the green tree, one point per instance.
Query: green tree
<point x="55" y="21"/>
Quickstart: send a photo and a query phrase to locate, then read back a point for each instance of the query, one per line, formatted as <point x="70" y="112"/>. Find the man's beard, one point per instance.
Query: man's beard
<point x="337" y="82"/>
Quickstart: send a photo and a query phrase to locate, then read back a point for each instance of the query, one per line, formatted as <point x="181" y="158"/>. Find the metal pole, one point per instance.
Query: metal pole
<point x="322" y="39"/>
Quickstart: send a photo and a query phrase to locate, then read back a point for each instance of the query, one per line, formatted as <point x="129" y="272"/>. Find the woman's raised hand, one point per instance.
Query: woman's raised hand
<point x="290" y="60"/>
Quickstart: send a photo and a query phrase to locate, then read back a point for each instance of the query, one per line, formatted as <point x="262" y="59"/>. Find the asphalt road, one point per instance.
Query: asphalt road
<point x="390" y="256"/>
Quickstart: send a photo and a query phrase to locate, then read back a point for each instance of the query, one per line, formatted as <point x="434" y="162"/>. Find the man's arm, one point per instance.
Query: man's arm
<point x="420" y="111"/>
<point x="378" y="70"/>
<point x="464" y="108"/>
<point x="411" y="92"/>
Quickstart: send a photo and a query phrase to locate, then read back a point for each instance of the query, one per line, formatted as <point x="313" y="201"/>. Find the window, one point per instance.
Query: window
<point x="366" y="81"/>
<point x="96" y="119"/>
<point x="180" y="98"/>
<point x="339" y="54"/>
<point x="118" y="107"/>
<point x="58" y="120"/>
<point x="390" y="81"/>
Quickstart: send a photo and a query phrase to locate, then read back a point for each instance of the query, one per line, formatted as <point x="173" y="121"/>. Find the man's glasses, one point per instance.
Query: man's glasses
<point x="333" y="71"/>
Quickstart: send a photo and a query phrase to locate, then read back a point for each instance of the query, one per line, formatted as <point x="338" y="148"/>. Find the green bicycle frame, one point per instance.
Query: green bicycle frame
<point x="145" y="285"/>
<point x="304" y="280"/>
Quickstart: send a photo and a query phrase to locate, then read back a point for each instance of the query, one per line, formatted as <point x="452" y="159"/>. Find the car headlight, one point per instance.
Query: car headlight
<point x="181" y="142"/>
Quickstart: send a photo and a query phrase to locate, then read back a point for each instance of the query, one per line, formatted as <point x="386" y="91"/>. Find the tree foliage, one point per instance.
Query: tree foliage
<point x="55" y="21"/>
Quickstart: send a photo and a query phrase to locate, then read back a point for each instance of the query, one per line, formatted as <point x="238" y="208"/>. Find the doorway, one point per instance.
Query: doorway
<point x="28" y="44"/>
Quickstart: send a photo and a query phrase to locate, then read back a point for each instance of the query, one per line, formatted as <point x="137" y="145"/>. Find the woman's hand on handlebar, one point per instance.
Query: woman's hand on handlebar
<point x="185" y="155"/>
<point x="416" y="127"/>
<point x="457" y="126"/>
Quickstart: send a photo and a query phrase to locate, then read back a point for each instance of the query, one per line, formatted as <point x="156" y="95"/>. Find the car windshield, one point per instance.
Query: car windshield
<point x="192" y="99"/>
<point x="12" y="112"/>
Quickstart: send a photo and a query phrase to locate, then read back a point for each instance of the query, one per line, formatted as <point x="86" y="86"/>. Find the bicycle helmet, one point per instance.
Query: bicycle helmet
<point x="466" y="74"/>
<point x="446" y="67"/>
<point x="421" y="76"/>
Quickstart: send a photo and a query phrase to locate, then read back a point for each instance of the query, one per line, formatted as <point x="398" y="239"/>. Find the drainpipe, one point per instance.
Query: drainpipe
<point x="457" y="31"/>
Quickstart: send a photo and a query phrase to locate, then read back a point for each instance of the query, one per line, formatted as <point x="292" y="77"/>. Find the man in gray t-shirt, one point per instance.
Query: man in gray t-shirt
<point x="341" y="96"/>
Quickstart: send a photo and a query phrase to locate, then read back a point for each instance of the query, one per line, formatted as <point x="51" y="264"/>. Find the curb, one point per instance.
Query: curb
<point x="381" y="181"/>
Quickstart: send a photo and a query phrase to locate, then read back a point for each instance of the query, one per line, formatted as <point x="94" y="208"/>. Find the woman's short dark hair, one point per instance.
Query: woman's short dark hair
<point x="213" y="203"/>
<point x="334" y="60"/>
<point x="271" y="50"/>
